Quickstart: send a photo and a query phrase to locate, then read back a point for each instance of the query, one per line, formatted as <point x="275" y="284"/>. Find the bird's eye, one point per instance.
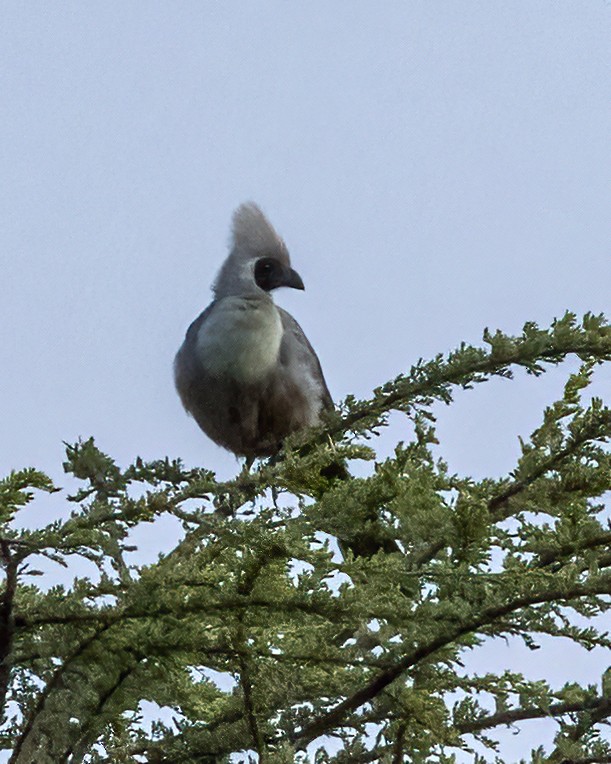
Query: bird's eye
<point x="268" y="273"/>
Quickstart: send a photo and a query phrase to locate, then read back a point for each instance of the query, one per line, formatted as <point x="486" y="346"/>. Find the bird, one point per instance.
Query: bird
<point x="246" y="371"/>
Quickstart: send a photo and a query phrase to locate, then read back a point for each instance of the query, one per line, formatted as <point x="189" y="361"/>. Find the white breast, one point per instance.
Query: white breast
<point x="240" y="338"/>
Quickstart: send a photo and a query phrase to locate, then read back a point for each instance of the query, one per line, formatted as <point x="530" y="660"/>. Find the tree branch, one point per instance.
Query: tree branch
<point x="434" y="379"/>
<point x="52" y="684"/>
<point x="589" y="718"/>
<point x="7" y="621"/>
<point x="497" y="505"/>
<point x="534" y="712"/>
<point x="78" y="749"/>
<point x="482" y="618"/>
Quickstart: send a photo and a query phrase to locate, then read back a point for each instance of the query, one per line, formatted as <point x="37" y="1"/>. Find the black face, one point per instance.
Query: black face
<point x="271" y="274"/>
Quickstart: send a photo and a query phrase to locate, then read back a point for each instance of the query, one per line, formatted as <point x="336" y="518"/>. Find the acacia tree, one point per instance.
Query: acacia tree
<point x="297" y="606"/>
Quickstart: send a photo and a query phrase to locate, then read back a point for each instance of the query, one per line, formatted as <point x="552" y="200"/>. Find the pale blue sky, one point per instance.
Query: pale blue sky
<point x="434" y="167"/>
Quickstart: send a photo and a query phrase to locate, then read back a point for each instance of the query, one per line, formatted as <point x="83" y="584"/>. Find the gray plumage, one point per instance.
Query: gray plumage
<point x="246" y="371"/>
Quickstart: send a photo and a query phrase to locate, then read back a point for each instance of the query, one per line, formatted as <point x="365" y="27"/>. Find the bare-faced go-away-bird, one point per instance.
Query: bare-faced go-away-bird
<point x="246" y="371"/>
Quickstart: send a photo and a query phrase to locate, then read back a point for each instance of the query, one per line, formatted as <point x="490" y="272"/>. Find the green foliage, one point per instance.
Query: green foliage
<point x="328" y="607"/>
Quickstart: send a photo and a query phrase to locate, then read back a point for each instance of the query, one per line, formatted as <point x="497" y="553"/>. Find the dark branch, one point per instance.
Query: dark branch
<point x="7" y="621"/>
<point x="480" y="619"/>
<point x="522" y="714"/>
<point x="52" y="684"/>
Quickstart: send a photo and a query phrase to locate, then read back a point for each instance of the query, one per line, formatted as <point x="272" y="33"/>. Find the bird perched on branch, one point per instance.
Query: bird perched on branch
<point x="246" y="371"/>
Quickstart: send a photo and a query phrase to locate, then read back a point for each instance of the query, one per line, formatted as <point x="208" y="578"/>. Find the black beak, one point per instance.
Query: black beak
<point x="293" y="279"/>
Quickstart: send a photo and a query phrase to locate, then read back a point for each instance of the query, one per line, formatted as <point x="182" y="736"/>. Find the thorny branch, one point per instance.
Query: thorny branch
<point x="479" y="619"/>
<point x="52" y="684"/>
<point x="7" y="621"/>
<point x="599" y="706"/>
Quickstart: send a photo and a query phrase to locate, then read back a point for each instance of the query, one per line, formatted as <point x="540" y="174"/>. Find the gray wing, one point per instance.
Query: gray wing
<point x="186" y="365"/>
<point x="299" y="358"/>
